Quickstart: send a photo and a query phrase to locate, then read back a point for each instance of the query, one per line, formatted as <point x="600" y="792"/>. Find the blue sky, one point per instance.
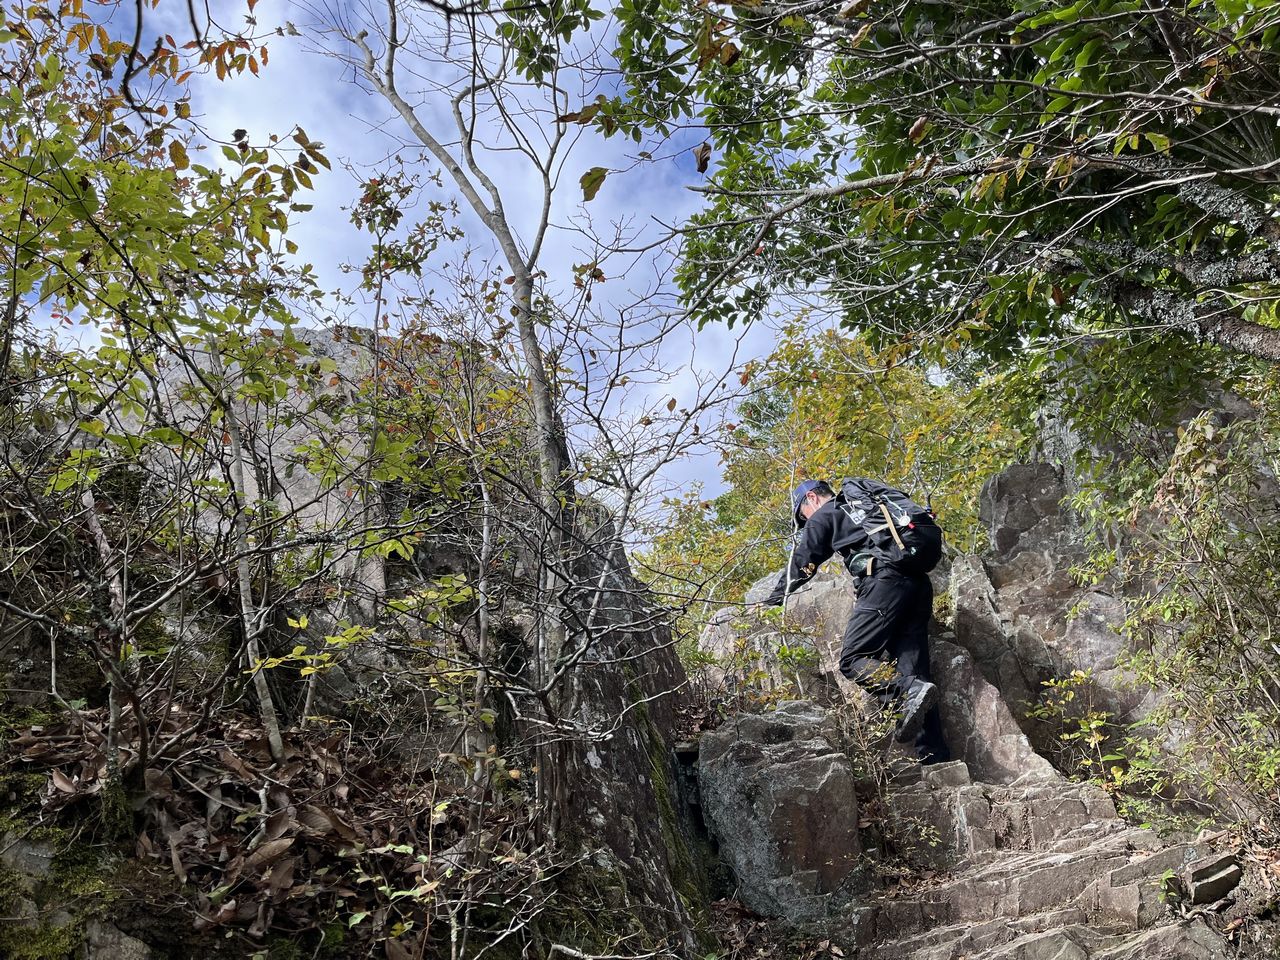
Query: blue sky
<point x="302" y="87"/>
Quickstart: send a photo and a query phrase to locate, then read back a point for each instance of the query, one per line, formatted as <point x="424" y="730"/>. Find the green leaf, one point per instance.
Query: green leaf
<point x="591" y="182"/>
<point x="1061" y="49"/>
<point x="1086" y="55"/>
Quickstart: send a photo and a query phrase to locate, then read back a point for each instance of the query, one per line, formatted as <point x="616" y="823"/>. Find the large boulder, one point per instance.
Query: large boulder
<point x="977" y="722"/>
<point x="625" y="806"/>
<point x="978" y="725"/>
<point x="745" y="644"/>
<point x="1023" y="616"/>
<point x="780" y="801"/>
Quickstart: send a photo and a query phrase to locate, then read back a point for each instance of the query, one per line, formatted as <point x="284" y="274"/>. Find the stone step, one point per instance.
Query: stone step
<point x="1063" y="943"/>
<point x="1193" y="941"/>
<point x="1133" y="896"/>
<point x="1034" y="869"/>
<point x="956" y="820"/>
<point x="1060" y="935"/>
<point x="970" y="939"/>
<point x="1013" y="887"/>
<point x="1114" y="884"/>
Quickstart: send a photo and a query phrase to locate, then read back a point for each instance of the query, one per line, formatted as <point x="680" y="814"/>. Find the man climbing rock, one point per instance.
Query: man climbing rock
<point x="888" y="544"/>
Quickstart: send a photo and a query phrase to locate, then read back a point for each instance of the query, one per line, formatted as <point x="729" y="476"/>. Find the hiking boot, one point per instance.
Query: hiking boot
<point x="919" y="700"/>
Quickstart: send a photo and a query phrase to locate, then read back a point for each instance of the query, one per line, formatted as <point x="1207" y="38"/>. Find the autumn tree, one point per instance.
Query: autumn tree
<point x="828" y="406"/>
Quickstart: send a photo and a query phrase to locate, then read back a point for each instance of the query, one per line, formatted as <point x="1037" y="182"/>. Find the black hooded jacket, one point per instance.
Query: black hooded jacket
<point x="829" y="531"/>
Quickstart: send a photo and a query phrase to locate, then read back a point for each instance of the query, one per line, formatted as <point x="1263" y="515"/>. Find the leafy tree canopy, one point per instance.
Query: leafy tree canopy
<point x="979" y="174"/>
<point x="829" y="406"/>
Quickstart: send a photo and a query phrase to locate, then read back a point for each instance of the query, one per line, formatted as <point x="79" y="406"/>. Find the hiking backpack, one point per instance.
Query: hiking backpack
<point x="901" y="532"/>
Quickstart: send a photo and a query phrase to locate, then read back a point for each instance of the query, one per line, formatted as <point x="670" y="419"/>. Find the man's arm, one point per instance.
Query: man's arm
<point x="813" y="550"/>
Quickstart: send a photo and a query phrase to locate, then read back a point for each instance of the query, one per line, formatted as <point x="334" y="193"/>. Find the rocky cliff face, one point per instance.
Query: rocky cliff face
<point x="1021" y="614"/>
<point x="379" y="773"/>
<point x="626" y="805"/>
<point x="1014" y="861"/>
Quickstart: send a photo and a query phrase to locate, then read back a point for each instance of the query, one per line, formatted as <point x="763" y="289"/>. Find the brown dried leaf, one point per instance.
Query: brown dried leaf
<point x="178" y="869"/>
<point x="702" y="154"/>
<point x="317" y="819"/>
<point x="236" y="765"/>
<point x="158" y="783"/>
<point x="261" y="922"/>
<point x="62" y="781"/>
<point x="269" y="852"/>
<point x="226" y="912"/>
<point x="281" y="879"/>
<point x="278" y="823"/>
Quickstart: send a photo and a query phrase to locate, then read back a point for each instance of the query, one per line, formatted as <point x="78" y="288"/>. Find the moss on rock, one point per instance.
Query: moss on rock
<point x="53" y="901"/>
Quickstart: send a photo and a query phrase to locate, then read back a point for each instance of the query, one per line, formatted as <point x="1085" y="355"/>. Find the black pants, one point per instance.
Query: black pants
<point x="890" y="625"/>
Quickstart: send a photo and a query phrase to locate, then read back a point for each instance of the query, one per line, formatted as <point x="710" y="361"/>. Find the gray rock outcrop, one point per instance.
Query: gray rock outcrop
<point x="104" y="941"/>
<point x="1023" y="616"/>
<point x="781" y="801"/>
<point x="626" y="798"/>
<point x="1040" y="870"/>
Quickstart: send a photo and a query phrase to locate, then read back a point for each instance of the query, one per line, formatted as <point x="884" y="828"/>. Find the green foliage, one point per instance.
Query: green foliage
<point x="1046" y="169"/>
<point x="830" y="406"/>
<point x="766" y="665"/>
<point x="1087" y="731"/>
<point x="1190" y="537"/>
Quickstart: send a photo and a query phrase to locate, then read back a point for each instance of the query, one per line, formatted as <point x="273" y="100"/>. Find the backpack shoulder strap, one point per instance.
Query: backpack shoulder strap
<point x="893" y="527"/>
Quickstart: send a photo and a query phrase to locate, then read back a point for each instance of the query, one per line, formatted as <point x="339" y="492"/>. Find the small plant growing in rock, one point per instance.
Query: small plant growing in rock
<point x="1170" y="887"/>
<point x="1087" y="732"/>
<point x="864" y="732"/>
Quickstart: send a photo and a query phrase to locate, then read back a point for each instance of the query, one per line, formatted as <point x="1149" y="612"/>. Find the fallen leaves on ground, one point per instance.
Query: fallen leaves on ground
<point x="334" y="833"/>
<point x="743" y="935"/>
